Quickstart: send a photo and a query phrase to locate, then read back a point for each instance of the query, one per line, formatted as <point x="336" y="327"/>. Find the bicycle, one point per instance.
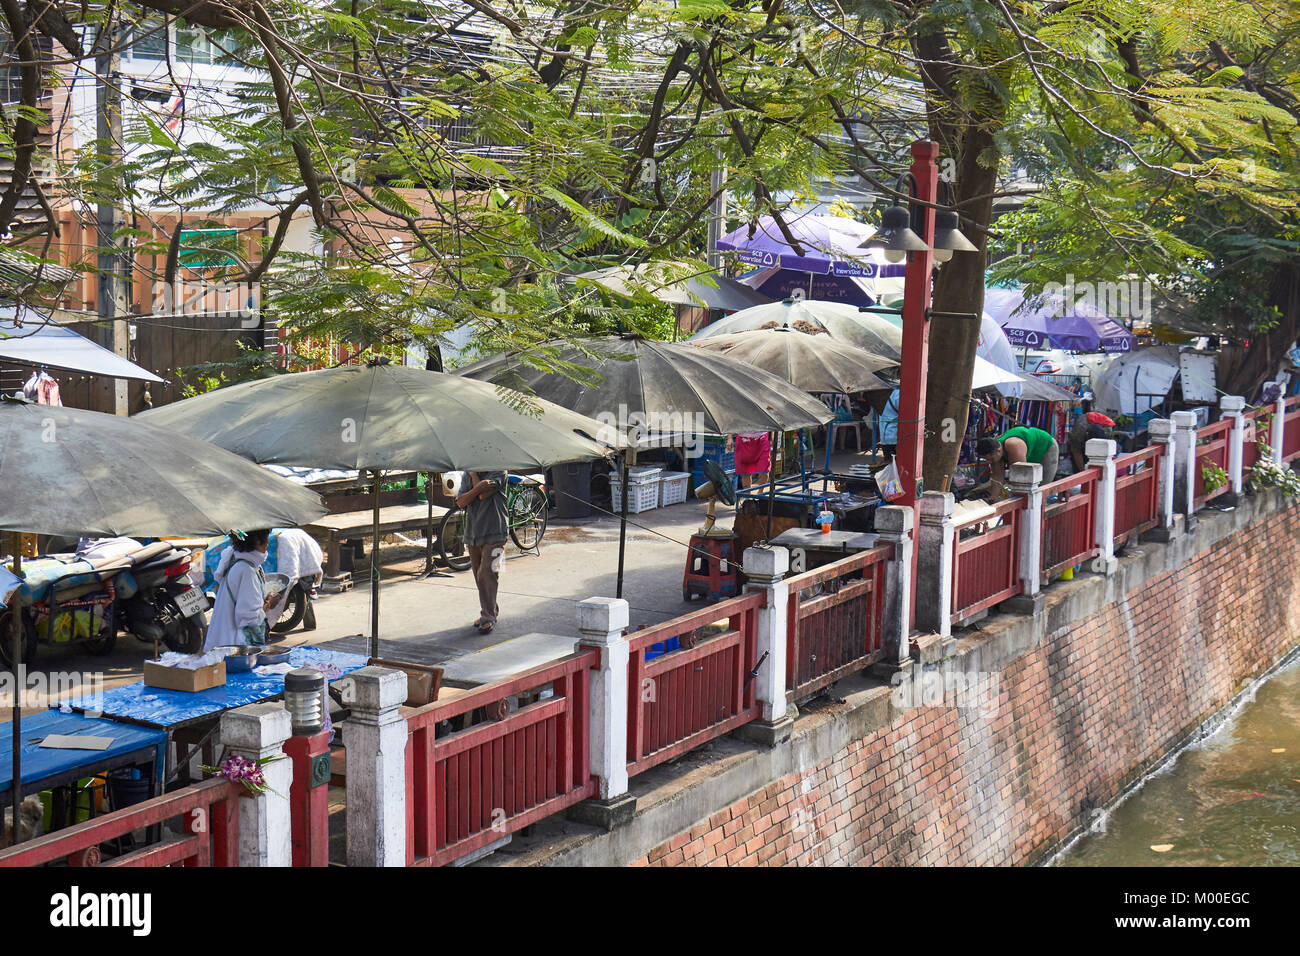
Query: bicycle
<point x="526" y="509"/>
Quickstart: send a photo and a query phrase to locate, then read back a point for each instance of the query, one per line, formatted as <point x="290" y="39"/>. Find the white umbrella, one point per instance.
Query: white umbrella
<point x="847" y="323"/>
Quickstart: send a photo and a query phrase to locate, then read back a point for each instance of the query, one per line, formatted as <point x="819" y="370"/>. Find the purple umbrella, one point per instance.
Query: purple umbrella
<point x="780" y="284"/>
<point x="1047" y="321"/>
<point x="829" y="245"/>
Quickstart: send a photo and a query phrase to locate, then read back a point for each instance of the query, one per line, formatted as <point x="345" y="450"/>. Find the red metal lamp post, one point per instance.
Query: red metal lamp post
<point x="898" y="239"/>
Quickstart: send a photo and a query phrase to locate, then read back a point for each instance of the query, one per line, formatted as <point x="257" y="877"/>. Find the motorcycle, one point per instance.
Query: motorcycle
<point x="88" y="598"/>
<point x="165" y="605"/>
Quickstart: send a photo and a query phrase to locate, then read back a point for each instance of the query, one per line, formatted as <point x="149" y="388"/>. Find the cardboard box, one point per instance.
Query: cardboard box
<point x="187" y="679"/>
<point x="422" y="681"/>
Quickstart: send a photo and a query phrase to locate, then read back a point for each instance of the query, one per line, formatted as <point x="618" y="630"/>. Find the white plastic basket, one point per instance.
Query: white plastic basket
<point x="672" y="487"/>
<point x="641" y="495"/>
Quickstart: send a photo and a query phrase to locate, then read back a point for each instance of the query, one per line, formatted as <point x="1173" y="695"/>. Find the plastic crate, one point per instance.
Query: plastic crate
<point x="641" y="473"/>
<point x="672" y="487"/>
<point x="662" y="648"/>
<point x="641" y="495"/>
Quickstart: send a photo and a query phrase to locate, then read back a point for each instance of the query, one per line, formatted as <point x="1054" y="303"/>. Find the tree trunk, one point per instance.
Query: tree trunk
<point x="959" y="287"/>
<point x="1261" y="358"/>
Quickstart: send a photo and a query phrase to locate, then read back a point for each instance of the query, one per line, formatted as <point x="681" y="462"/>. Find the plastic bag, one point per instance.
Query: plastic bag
<point x="891" y="489"/>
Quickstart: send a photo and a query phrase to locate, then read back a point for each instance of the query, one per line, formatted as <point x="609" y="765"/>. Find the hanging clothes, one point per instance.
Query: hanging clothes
<point x="47" y="391"/>
<point x="42" y="389"/>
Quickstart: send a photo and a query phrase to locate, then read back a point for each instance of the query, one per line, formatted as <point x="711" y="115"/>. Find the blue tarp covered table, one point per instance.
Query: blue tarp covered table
<point x="46" y="768"/>
<point x="159" y="707"/>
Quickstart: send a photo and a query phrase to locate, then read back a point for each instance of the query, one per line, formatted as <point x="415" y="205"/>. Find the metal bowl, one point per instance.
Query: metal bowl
<point x="273" y="655"/>
<point x="276" y="585"/>
<point x="241" y="657"/>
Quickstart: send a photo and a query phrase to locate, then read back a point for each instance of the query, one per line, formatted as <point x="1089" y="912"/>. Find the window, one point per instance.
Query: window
<point x="149" y="40"/>
<point x="190" y="44"/>
<point x="193" y="45"/>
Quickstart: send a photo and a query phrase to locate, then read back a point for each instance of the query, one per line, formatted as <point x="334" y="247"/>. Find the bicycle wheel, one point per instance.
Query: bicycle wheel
<point x="451" y="540"/>
<point x="528" y="517"/>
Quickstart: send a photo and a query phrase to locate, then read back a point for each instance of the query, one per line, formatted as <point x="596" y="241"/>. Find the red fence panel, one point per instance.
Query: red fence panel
<point x="1291" y="430"/>
<point x="986" y="560"/>
<point x="501" y="771"/>
<point x="209" y="814"/>
<point x="836" y="622"/>
<point x="1211" y="449"/>
<point x="1069" y="522"/>
<point x="686" y="697"/>
<point x="1137" y="492"/>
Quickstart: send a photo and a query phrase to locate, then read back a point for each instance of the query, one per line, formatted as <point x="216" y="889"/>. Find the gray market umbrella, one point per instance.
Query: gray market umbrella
<point x="382" y="417"/>
<point x="66" y="471"/>
<point x="671" y="389"/>
<point x="674" y="387"/>
<point x="727" y="295"/>
<point x="864" y="330"/>
<point x="813" y="363"/>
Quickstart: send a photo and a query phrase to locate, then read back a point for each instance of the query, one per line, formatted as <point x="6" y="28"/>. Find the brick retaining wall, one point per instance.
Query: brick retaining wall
<point x="1106" y="682"/>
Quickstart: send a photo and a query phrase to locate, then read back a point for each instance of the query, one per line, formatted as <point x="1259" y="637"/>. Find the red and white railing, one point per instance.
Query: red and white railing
<point x="836" y="620"/>
<point x="207" y="814"/>
<point x="689" y="696"/>
<point x="502" y="769"/>
<point x="986" y="559"/>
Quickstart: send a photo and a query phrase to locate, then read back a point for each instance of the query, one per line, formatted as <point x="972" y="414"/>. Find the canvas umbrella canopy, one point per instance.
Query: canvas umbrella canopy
<point x="381" y="417"/>
<point x="67" y="471"/>
<point x="1049" y="321"/>
<point x="71" y="472"/>
<point x="865" y="330"/>
<point x="813" y="363"/>
<point x="671" y="389"/>
<point x="827" y="245"/>
<point x="777" y="284"/>
<point x="727" y="294"/>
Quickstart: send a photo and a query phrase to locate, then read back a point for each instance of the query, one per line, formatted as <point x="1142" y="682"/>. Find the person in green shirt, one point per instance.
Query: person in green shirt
<point x="1022" y="443"/>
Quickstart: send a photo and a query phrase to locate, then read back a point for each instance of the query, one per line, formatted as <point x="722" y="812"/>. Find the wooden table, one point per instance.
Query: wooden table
<point x="332" y="530"/>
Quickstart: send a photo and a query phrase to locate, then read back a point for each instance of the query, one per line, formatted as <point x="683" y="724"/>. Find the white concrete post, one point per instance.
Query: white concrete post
<point x="1233" y="407"/>
<point x="1025" y="478"/>
<point x="1101" y="455"/>
<point x="1184" y="461"/>
<point x="1277" y="431"/>
<point x="602" y="622"/>
<point x="936" y="541"/>
<point x="765" y="570"/>
<point x="257" y="732"/>
<point x="894" y="526"/>
<point x="377" y="736"/>
<point x="1160" y="431"/>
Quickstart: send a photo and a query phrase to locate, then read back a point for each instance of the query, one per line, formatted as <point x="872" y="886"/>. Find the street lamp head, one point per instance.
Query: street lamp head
<point x="895" y="238"/>
<point x="948" y="238"/>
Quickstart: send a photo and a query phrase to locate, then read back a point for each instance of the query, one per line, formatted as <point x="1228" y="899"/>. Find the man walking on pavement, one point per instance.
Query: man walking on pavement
<point x="486" y="526"/>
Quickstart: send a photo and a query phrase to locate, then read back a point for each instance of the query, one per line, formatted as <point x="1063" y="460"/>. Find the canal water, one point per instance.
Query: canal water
<point x="1232" y="799"/>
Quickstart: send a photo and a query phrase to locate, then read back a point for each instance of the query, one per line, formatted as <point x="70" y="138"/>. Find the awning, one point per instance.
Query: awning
<point x="56" y="347"/>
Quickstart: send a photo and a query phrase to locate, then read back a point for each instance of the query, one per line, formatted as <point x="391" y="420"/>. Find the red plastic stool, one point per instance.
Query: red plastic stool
<point x="710" y="569"/>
